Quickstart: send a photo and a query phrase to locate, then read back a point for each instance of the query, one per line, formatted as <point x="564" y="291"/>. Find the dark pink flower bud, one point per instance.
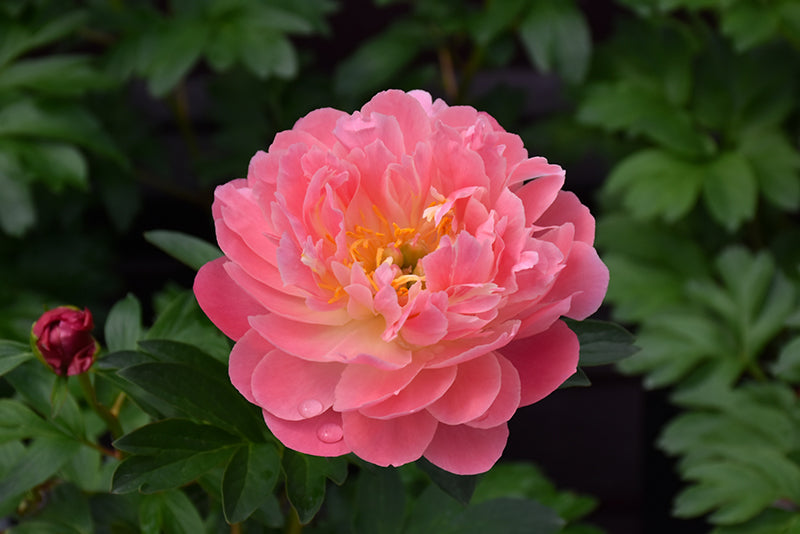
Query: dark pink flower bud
<point x="62" y="338"/>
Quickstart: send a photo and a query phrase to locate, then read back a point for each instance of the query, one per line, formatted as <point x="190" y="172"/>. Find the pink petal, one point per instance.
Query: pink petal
<point x="320" y="436"/>
<point x="506" y="402"/>
<point x="351" y="342"/>
<point x="391" y="441"/>
<point x="294" y="389"/>
<point x="567" y="208"/>
<point x="584" y="279"/>
<point x="475" y="388"/>
<point x="224" y="301"/>
<point x="363" y="385"/>
<point x="538" y="195"/>
<point x="426" y="387"/>
<point x="412" y="119"/>
<point x="245" y="357"/>
<point x="543" y="361"/>
<point x="465" y="450"/>
<point x="537" y="167"/>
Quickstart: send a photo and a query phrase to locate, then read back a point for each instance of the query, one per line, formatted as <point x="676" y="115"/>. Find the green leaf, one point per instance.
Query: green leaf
<point x="17" y="212"/>
<point x="60" y="75"/>
<point x="305" y="483"/>
<point x="166" y="351"/>
<point x="18" y="40"/>
<point x="379" y="59"/>
<point x="507" y="515"/>
<point x="642" y="111"/>
<point x="58" y="165"/>
<point x="556" y="37"/>
<point x="787" y="366"/>
<point x="577" y="379"/>
<point x="249" y="480"/>
<point x="175" y="435"/>
<point x="123" y="326"/>
<point x="197" y="395"/>
<point x="42" y="458"/>
<point x="729" y="190"/>
<point x="190" y="250"/>
<point x="775" y="163"/>
<point x="12" y="354"/>
<point x="602" y="342"/>
<point x="748" y="24"/>
<point x="25" y="118"/>
<point x="167" y="469"/>
<point x="380" y="502"/>
<point x="67" y="508"/>
<point x="267" y="52"/>
<point x="185" y="40"/>
<point x="459" y="487"/>
<point x="17" y="421"/>
<point x="171" y="512"/>
<point x="654" y="183"/>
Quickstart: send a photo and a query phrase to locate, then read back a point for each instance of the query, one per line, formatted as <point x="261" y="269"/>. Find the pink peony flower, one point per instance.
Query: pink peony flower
<point x="62" y="339"/>
<point x="394" y="281"/>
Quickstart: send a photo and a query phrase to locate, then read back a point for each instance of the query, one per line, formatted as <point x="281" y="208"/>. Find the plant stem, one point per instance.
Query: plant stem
<point x="91" y="396"/>
<point x="293" y="526"/>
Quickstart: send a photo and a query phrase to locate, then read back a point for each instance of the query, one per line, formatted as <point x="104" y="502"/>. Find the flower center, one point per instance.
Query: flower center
<point x="402" y="247"/>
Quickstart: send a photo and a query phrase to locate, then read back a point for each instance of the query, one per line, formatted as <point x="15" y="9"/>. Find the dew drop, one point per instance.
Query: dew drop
<point x="330" y="433"/>
<point x="310" y="408"/>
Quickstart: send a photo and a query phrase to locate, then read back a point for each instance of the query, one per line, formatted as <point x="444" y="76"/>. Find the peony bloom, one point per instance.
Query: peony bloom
<point x="394" y="281"/>
<point x="62" y="339"/>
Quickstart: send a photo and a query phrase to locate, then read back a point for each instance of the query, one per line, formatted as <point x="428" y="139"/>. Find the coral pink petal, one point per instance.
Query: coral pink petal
<point x="533" y="168"/>
<point x="245" y="357"/>
<point x="475" y="388"/>
<point x="543" y="361"/>
<point x="567" y="208"/>
<point x="411" y="116"/>
<point x="537" y="196"/>
<point x="362" y="385"/>
<point x="584" y="279"/>
<point x="390" y="441"/>
<point x="320" y="436"/>
<point x="465" y="450"/>
<point x="354" y="341"/>
<point x="224" y="301"/>
<point x="507" y="400"/>
<point x="294" y="389"/>
<point x="427" y="386"/>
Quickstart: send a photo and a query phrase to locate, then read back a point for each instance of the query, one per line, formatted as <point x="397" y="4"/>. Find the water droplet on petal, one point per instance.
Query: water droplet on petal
<point x="310" y="408"/>
<point x="330" y="433"/>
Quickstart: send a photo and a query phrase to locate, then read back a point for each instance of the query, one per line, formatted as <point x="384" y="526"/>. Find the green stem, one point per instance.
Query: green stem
<point x="293" y="526"/>
<point x="91" y="396"/>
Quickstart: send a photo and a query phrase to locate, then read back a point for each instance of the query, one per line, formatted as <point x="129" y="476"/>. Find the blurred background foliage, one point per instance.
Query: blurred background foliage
<point x="677" y="120"/>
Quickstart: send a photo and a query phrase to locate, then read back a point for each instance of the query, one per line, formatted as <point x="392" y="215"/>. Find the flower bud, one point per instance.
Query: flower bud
<point x="62" y="339"/>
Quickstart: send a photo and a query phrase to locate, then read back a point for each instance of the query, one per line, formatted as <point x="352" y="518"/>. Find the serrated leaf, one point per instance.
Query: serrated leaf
<point x="249" y="480"/>
<point x="12" y="354"/>
<point x="123" y="326"/>
<point x="729" y="190"/>
<point x="18" y="40"/>
<point x="556" y="37"/>
<point x="190" y="250"/>
<point x="775" y="163"/>
<point x="654" y="183"/>
<point x="60" y="75"/>
<point x="169" y="511"/>
<point x="641" y="111"/>
<point x="58" y="165"/>
<point x="269" y="52"/>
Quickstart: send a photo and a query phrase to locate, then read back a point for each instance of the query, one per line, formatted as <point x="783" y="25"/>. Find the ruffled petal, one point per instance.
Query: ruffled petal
<point x="427" y="386"/>
<point x="475" y="388"/>
<point x="245" y="357"/>
<point x="507" y="400"/>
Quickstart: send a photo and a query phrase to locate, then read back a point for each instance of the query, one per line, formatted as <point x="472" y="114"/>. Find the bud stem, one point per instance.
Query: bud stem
<point x="91" y="396"/>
